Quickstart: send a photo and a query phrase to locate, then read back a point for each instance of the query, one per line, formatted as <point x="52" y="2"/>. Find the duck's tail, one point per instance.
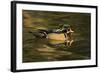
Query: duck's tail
<point x="39" y="34"/>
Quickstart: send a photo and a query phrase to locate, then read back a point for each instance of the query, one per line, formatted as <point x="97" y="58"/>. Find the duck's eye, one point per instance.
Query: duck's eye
<point x="68" y="29"/>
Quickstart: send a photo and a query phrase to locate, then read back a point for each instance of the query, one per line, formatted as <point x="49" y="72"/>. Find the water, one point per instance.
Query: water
<point x="42" y="49"/>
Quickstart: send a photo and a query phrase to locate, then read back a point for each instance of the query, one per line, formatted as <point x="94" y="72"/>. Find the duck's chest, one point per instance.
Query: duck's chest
<point x="56" y="36"/>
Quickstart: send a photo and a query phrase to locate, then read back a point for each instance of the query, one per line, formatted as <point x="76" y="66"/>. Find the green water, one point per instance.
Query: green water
<point x="41" y="49"/>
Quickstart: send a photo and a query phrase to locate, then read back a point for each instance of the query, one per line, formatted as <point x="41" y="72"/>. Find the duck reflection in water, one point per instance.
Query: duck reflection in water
<point x="69" y="37"/>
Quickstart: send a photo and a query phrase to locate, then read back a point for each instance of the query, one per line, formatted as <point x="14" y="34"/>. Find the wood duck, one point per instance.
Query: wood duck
<point x="55" y="34"/>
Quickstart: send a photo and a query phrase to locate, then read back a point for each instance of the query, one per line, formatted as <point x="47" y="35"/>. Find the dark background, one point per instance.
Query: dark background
<point x="38" y="50"/>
